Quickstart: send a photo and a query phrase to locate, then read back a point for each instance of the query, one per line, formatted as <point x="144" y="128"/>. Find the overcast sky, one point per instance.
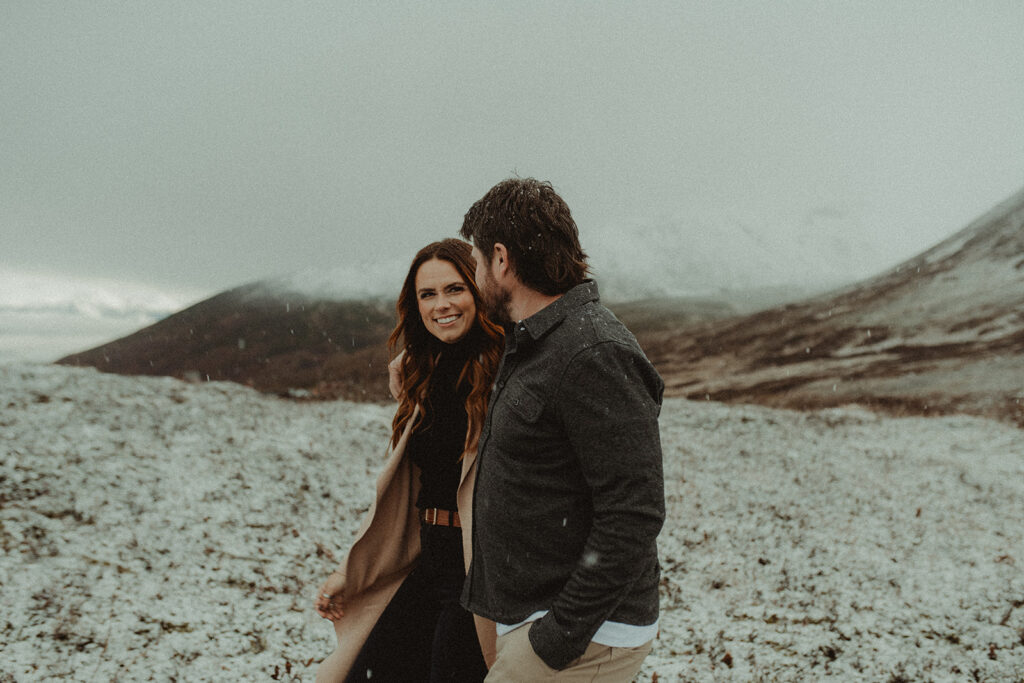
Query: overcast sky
<point x="195" y="146"/>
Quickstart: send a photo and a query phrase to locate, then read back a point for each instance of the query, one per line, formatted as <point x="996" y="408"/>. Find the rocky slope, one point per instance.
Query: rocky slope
<point x="302" y="345"/>
<point x="276" y="341"/>
<point x="940" y="333"/>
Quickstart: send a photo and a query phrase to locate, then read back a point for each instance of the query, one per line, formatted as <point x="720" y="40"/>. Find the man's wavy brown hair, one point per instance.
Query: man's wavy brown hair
<point x="422" y="349"/>
<point x="537" y="229"/>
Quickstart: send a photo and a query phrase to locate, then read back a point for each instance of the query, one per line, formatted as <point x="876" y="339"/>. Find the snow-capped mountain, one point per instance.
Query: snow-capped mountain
<point x="941" y="332"/>
<point x="286" y="337"/>
<point x="44" y="316"/>
<point x="709" y="257"/>
<point x="36" y="293"/>
<point x="263" y="335"/>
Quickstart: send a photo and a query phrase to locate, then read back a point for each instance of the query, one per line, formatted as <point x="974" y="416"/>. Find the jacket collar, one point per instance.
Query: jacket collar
<point x="549" y="317"/>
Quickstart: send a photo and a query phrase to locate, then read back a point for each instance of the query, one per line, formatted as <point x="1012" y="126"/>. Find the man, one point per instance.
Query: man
<point x="569" y="493"/>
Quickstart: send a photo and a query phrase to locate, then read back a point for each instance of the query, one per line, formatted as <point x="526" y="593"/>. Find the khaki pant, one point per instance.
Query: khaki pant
<point x="517" y="662"/>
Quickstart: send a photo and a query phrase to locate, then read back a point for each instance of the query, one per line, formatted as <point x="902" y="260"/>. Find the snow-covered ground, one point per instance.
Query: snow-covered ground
<point x="156" y="530"/>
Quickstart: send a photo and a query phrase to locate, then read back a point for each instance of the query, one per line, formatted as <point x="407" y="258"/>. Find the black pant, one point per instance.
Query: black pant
<point x="424" y="634"/>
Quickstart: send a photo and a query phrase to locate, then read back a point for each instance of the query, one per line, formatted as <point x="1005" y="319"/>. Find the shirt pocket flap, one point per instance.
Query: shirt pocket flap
<point x="524" y="403"/>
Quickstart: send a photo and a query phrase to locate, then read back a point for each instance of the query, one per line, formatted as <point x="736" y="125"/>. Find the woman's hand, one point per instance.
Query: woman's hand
<point x="328" y="598"/>
<point x="395" y="375"/>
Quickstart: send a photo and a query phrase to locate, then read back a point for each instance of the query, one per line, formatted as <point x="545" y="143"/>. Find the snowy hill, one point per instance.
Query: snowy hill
<point x="942" y="332"/>
<point x="672" y="274"/>
<point x="274" y="339"/>
<point x="43" y="317"/>
<point x="158" y="530"/>
<point x="714" y="256"/>
<point x="300" y="337"/>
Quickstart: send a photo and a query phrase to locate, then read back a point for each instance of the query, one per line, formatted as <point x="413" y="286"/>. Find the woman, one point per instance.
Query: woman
<point x="394" y="600"/>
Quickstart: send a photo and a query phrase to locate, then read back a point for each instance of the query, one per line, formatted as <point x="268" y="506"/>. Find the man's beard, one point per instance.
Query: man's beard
<point x="495" y="300"/>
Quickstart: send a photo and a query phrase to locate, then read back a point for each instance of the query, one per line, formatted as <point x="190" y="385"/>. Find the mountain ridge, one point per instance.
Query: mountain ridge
<point x="940" y="332"/>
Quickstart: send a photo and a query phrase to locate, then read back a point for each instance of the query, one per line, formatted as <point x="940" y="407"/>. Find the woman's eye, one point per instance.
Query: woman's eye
<point x="425" y="295"/>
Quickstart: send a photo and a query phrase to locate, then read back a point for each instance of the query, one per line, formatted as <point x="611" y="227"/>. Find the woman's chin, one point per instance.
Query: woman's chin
<point x="450" y="336"/>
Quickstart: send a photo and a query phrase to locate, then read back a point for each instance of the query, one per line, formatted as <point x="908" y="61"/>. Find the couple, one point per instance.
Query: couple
<point x="514" y="532"/>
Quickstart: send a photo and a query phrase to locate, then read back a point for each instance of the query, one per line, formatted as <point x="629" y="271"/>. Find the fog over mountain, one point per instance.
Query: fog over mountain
<point x="45" y="317"/>
<point x="707" y="256"/>
<point x="941" y="332"/>
<point x="679" y="257"/>
<point x="704" y="147"/>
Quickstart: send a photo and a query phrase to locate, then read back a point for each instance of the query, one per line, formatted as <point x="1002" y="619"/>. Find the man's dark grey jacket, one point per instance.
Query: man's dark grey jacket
<point x="569" y="495"/>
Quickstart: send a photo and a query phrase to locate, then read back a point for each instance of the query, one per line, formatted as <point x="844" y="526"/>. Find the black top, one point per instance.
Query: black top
<point x="569" y="497"/>
<point x="436" y="444"/>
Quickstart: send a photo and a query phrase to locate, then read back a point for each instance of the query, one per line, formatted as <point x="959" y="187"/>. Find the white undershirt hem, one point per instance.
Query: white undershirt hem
<point x="611" y="633"/>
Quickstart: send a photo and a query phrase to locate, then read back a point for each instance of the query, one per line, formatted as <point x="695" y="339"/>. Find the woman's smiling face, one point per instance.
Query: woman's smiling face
<point x="445" y="301"/>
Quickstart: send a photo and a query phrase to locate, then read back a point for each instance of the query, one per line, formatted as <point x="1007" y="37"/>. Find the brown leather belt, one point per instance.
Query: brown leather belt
<point x="440" y="517"/>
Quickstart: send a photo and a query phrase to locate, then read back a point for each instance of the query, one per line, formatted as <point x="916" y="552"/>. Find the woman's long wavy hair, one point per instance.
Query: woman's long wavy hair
<point x="422" y="348"/>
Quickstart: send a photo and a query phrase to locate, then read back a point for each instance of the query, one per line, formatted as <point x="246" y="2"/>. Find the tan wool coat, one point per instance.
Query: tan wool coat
<point x="385" y="551"/>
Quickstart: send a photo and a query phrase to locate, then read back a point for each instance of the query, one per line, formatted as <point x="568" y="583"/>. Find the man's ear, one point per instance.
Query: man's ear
<point x="499" y="260"/>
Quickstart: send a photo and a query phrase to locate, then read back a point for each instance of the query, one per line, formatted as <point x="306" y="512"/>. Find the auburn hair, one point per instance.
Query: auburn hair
<point x="422" y="349"/>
